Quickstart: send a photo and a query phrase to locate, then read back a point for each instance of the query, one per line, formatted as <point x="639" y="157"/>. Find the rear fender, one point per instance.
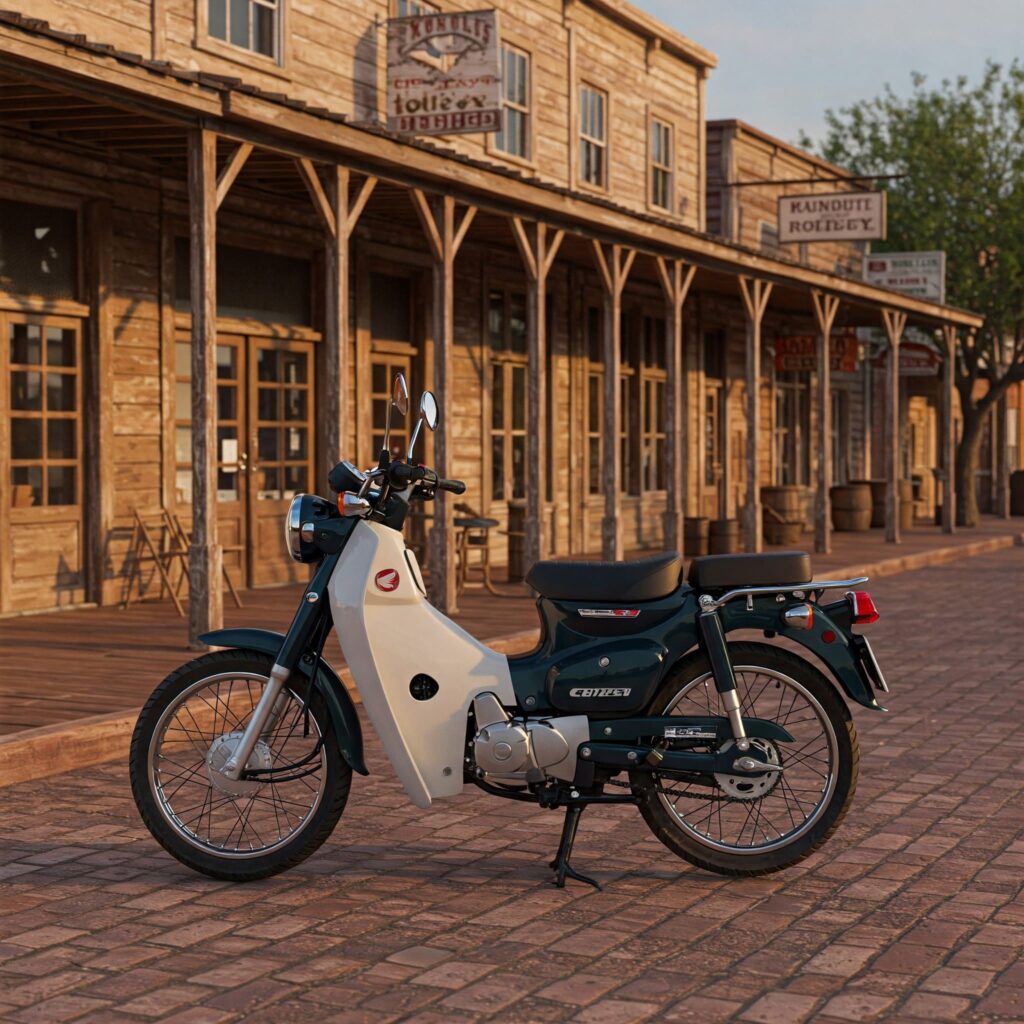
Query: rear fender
<point x="837" y="653"/>
<point x="339" y="704"/>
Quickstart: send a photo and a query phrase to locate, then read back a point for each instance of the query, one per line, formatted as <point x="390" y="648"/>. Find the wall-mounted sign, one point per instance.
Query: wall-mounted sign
<point x="832" y="217"/>
<point x="922" y="274"/>
<point x="444" y="73"/>
<point x="798" y="353"/>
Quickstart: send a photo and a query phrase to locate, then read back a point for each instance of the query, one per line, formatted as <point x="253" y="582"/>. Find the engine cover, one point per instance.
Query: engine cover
<point x="508" y="749"/>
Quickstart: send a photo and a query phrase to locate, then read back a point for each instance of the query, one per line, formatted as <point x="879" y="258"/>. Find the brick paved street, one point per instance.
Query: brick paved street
<point x="913" y="912"/>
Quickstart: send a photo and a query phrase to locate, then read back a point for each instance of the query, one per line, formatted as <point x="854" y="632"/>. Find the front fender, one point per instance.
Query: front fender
<point x="838" y="654"/>
<point x="339" y="703"/>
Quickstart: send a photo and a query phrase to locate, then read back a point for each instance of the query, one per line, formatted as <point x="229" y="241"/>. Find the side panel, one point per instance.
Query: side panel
<point x="390" y="634"/>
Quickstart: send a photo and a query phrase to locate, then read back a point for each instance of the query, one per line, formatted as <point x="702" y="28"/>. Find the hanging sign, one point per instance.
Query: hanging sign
<point x="921" y="274"/>
<point x="917" y="359"/>
<point x="798" y="353"/>
<point x="444" y="73"/>
<point x="832" y="217"/>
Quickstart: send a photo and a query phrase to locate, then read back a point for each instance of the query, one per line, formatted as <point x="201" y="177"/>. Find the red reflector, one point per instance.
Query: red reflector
<point x="829" y="636"/>
<point x="864" y="610"/>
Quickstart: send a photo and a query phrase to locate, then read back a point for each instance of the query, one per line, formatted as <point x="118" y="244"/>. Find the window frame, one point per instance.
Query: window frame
<point x="491" y="144"/>
<point x="583" y="139"/>
<point x="653" y="432"/>
<point x="505" y="362"/>
<point x="593" y="370"/>
<point x="277" y="65"/>
<point x="655" y="122"/>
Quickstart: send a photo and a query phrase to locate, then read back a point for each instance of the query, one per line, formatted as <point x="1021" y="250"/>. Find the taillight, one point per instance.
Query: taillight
<point x="864" y="610"/>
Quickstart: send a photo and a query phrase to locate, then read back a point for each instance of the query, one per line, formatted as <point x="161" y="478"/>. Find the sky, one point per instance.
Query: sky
<point x="782" y="65"/>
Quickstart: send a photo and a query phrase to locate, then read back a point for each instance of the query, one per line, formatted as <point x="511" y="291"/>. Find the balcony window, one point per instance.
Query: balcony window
<point x="514" y="135"/>
<point x="593" y="137"/>
<point x="661" y="164"/>
<point x="253" y="25"/>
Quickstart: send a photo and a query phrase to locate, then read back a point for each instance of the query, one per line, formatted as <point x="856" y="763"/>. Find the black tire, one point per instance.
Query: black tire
<point x="684" y="839"/>
<point x="313" y="831"/>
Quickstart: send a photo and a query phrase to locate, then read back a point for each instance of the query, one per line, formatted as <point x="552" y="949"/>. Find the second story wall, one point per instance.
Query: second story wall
<point x="739" y="153"/>
<point x="635" y="136"/>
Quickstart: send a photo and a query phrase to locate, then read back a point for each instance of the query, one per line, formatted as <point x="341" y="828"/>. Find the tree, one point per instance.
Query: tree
<point x="960" y="151"/>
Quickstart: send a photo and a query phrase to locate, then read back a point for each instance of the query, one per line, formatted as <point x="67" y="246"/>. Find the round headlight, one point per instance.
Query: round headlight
<point x="293" y="527"/>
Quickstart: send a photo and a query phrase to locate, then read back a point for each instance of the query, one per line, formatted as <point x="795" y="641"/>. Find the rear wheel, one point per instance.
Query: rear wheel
<point x="752" y="825"/>
<point x="289" y="799"/>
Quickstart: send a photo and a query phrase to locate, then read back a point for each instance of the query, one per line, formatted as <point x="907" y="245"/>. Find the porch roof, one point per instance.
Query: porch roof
<point x="67" y="88"/>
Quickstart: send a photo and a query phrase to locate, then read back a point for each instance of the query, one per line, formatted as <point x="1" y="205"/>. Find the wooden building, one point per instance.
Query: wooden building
<point x="213" y="256"/>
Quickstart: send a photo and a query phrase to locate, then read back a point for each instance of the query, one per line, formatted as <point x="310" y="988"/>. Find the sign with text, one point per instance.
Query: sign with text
<point x="917" y="359"/>
<point x="921" y="274"/>
<point x="798" y="353"/>
<point x="832" y="217"/>
<point x="444" y="73"/>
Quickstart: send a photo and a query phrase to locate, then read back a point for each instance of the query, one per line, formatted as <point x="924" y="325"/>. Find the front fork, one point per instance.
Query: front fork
<point x="713" y="640"/>
<point x="308" y="619"/>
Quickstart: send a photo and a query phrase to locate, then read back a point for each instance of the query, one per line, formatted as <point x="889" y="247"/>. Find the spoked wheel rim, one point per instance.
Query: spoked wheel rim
<point x="194" y="736"/>
<point x="738" y="816"/>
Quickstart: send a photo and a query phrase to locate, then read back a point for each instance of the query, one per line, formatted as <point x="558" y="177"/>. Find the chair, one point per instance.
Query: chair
<point x="473" y="534"/>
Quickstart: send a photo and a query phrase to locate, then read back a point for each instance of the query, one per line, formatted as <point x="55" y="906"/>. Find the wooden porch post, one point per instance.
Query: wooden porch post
<point x="755" y="294"/>
<point x="614" y="263"/>
<point x="949" y="431"/>
<point x="675" y="277"/>
<point x="894" y="322"/>
<point x="444" y="237"/>
<point x="538" y="253"/>
<point x="825" y="309"/>
<point x="338" y="216"/>
<point x="205" y="606"/>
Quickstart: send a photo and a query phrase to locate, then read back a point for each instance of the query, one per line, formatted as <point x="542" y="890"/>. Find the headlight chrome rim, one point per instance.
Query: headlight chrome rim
<point x="293" y="528"/>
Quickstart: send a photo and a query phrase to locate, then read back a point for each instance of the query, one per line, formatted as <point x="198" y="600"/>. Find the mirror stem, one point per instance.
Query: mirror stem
<point x="412" y="440"/>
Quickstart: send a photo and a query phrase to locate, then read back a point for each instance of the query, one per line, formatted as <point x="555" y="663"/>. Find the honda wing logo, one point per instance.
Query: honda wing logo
<point x="387" y="580"/>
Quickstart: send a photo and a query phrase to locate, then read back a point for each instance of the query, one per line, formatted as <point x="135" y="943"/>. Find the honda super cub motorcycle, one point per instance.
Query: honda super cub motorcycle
<point x="740" y="756"/>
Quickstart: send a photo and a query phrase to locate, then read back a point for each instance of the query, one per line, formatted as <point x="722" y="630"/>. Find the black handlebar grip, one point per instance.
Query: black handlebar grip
<point x="455" y="486"/>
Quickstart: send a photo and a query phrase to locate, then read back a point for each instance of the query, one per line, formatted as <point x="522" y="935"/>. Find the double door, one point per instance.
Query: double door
<point x="265" y="439"/>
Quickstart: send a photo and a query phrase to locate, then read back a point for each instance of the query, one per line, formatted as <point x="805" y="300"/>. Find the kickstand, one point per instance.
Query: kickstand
<point x="561" y="863"/>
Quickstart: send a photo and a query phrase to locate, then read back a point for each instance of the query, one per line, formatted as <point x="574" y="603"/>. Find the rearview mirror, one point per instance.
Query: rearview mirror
<point x="428" y="409"/>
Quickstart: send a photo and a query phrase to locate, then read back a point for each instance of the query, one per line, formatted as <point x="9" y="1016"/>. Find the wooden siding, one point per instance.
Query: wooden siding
<point x="738" y="153"/>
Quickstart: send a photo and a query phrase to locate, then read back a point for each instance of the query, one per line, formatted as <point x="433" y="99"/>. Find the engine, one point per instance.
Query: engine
<point x="505" y="749"/>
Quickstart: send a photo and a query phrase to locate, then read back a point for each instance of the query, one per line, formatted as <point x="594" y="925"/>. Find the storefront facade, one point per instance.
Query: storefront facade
<point x="207" y="283"/>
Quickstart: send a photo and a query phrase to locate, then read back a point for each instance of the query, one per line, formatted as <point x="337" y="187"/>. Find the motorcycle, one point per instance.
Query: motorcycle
<point x="741" y="756"/>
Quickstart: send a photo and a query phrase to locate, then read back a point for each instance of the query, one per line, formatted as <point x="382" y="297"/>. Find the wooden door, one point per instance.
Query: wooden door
<point x="280" y="451"/>
<point x="232" y="488"/>
<point x="42" y="539"/>
<point x="383" y="367"/>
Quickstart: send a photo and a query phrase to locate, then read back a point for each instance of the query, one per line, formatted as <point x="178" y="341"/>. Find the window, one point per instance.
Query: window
<point x="1012" y="440"/>
<point x="253" y="25"/>
<point x="514" y="135"/>
<point x="506" y="331"/>
<point x="628" y="424"/>
<point x="769" y="237"/>
<point x="792" y="430"/>
<point x="661" y="164"/>
<point x="407" y="8"/>
<point x="595" y="401"/>
<point x="653" y="412"/>
<point x="840" y="437"/>
<point x="38" y="250"/>
<point x="713" y="362"/>
<point x="251" y="284"/>
<point x="593" y="147"/>
<point x="44" y="397"/>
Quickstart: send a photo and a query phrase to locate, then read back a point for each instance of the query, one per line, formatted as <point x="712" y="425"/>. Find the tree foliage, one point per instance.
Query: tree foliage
<point x="959" y="151"/>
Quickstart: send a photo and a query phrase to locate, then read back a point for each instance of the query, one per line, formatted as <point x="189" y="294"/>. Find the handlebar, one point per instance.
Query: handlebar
<point x="401" y="474"/>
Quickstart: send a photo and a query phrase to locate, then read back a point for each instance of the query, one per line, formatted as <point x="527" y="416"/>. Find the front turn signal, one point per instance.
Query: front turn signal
<point x="864" y="610"/>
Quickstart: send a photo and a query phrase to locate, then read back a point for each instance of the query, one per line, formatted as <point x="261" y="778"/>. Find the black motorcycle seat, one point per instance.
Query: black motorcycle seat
<point x="643" y="579"/>
<point x="781" y="568"/>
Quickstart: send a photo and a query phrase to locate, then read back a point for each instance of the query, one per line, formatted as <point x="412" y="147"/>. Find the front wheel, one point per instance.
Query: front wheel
<point x="753" y="825"/>
<point x="286" y="803"/>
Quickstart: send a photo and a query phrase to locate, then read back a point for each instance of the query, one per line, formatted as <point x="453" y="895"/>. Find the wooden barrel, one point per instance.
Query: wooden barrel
<point x="877" y="501"/>
<point x="724" y="537"/>
<point x="851" y="507"/>
<point x="906" y="505"/>
<point x="783" y="515"/>
<point x="695" y="536"/>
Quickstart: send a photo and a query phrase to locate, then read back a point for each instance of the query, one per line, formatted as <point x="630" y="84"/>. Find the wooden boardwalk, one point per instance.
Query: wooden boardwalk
<point x="63" y="666"/>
